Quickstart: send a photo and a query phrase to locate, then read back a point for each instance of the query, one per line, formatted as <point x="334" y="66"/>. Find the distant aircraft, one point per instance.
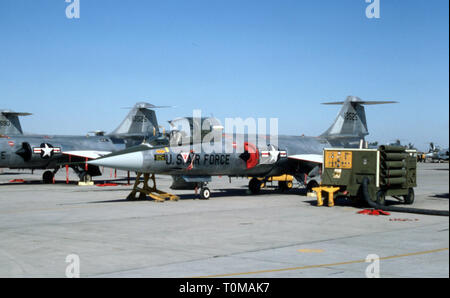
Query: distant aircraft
<point x="19" y="151"/>
<point x="299" y="156"/>
<point x="437" y="154"/>
<point x="398" y="142"/>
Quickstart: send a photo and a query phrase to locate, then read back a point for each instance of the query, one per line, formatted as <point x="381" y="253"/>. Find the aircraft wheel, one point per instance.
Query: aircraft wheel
<point x="311" y="184"/>
<point x="409" y="198"/>
<point x="85" y="177"/>
<point x="254" y="186"/>
<point x="205" y="193"/>
<point x="47" y="177"/>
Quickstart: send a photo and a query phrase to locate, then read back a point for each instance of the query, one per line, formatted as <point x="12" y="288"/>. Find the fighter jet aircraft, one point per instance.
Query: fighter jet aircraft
<point x="437" y="154"/>
<point x="19" y="151"/>
<point x="299" y="156"/>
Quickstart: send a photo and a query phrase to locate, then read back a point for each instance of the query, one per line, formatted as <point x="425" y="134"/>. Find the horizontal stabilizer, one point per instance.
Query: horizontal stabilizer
<point x="9" y="122"/>
<point x="374" y="102"/>
<point x="350" y="125"/>
<point x="16" y="114"/>
<point x="145" y="105"/>
<point x="140" y="122"/>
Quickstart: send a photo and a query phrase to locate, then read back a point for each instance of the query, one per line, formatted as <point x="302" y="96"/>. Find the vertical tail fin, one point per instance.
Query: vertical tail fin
<point x="9" y="122"/>
<point x="350" y="125"/>
<point x="141" y="121"/>
<point x="432" y="147"/>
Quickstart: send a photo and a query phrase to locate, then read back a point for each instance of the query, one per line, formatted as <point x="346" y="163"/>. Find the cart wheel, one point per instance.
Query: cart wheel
<point x="381" y="198"/>
<point x="409" y="198"/>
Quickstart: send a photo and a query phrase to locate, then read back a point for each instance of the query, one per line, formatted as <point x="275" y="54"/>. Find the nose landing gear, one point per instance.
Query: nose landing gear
<point x="205" y="193"/>
<point x="255" y="185"/>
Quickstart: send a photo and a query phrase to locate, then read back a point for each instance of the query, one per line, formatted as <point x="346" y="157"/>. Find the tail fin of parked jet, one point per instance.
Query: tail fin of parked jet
<point x="9" y="122"/>
<point x="432" y="147"/>
<point x="140" y="122"/>
<point x="350" y="125"/>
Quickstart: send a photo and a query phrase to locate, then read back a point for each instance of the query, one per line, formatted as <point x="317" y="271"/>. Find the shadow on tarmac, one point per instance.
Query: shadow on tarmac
<point x="71" y="182"/>
<point x="441" y="196"/>
<point x="229" y="193"/>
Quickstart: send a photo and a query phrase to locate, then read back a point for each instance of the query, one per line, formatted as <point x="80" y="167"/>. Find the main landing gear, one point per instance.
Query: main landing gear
<point x="47" y="177"/>
<point x="311" y="184"/>
<point x="84" y="175"/>
<point x="255" y="185"/>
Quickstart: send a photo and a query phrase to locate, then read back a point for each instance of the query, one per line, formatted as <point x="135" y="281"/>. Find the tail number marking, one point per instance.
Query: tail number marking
<point x="350" y="116"/>
<point x="139" y="119"/>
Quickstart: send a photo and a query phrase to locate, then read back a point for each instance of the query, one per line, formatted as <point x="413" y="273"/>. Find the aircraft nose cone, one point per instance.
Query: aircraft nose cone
<point x="130" y="162"/>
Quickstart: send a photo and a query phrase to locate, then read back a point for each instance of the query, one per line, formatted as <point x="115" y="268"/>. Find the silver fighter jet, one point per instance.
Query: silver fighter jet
<point x="191" y="168"/>
<point x="19" y="151"/>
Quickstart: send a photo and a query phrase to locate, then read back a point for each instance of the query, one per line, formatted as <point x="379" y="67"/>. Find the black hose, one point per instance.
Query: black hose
<point x="366" y="196"/>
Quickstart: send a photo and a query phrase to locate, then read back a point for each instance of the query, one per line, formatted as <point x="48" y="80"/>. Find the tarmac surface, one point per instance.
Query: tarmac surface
<point x="233" y="234"/>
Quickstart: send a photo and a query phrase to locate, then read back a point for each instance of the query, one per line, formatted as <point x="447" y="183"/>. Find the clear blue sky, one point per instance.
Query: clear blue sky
<point x="246" y="58"/>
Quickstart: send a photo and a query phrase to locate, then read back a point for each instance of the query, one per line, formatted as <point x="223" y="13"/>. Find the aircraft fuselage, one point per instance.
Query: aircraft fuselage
<point x="42" y="152"/>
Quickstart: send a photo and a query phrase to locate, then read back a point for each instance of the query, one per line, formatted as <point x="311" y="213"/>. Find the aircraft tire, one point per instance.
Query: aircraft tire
<point x="254" y="186"/>
<point x="205" y="193"/>
<point x="311" y="184"/>
<point x="85" y="177"/>
<point x="47" y="177"/>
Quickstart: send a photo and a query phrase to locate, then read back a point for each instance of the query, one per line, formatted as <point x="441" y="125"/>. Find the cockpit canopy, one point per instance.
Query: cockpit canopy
<point x="183" y="130"/>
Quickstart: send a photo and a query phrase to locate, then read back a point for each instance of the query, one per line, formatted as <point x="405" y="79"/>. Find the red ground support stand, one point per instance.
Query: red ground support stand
<point x="375" y="212"/>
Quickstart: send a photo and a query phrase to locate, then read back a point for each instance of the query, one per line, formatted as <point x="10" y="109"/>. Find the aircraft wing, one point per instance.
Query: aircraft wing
<point x="89" y="154"/>
<point x="307" y="163"/>
<point x="313" y="158"/>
